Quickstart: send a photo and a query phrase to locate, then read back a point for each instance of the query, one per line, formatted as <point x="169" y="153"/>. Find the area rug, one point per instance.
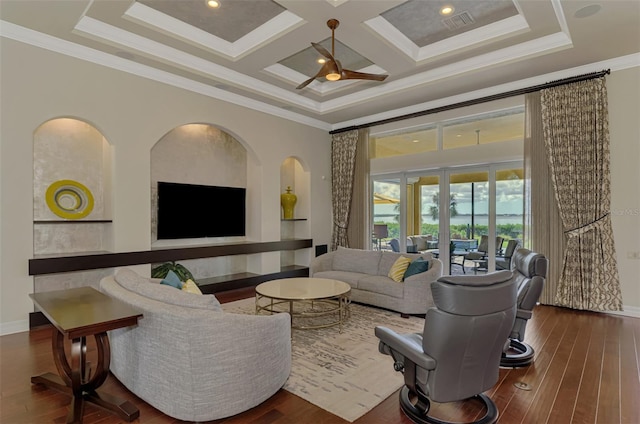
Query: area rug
<point x="343" y="373"/>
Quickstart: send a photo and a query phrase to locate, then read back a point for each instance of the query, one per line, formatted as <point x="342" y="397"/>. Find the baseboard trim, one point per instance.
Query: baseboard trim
<point x="627" y="311"/>
<point x="14" y="327"/>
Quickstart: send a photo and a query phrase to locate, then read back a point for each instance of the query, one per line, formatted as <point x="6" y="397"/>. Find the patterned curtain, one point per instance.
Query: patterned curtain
<point x="576" y="135"/>
<point x="343" y="158"/>
<point x="359" y="227"/>
<point x="543" y="226"/>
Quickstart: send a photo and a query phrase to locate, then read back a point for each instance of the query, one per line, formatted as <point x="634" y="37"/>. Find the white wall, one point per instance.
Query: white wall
<point x="623" y="88"/>
<point x="132" y="113"/>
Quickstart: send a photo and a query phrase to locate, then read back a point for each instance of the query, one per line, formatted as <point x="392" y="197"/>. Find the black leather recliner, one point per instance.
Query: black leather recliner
<point x="530" y="272"/>
<point x="457" y="356"/>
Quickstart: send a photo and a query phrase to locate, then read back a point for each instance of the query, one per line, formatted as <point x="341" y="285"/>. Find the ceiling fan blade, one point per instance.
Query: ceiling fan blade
<point x="324" y="52"/>
<point x="307" y="82"/>
<point x="327" y="67"/>
<point x="348" y="74"/>
<point x="338" y="67"/>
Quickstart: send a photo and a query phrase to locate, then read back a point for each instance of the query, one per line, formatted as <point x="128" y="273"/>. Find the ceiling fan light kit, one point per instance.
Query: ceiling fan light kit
<point x="332" y="69"/>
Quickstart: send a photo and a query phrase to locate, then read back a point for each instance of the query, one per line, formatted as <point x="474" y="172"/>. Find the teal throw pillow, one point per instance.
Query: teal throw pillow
<point x="416" y="267"/>
<point x="172" y="280"/>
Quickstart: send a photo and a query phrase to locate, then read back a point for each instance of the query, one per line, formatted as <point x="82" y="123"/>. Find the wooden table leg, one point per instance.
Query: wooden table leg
<point x="74" y="378"/>
<point x="78" y="360"/>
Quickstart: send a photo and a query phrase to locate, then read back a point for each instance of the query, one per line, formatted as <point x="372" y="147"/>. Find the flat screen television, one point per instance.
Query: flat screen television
<point x="196" y="211"/>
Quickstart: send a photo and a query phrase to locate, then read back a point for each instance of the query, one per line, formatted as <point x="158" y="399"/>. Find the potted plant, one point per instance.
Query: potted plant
<point x="181" y="271"/>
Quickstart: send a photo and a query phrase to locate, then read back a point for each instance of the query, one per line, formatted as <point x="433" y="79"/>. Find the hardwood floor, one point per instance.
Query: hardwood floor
<point x="586" y="370"/>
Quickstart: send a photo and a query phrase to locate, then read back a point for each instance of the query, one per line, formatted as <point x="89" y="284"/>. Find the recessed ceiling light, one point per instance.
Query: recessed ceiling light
<point x="321" y="60"/>
<point x="213" y="3"/>
<point x="446" y="10"/>
<point x="458" y="135"/>
<point x="415" y="141"/>
<point x="585" y="12"/>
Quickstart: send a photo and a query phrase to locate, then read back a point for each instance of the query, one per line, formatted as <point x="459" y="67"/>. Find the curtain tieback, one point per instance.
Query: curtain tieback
<point x="341" y="225"/>
<point x="598" y="223"/>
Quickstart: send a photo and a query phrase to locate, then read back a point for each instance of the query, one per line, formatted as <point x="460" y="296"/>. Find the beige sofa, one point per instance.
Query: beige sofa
<point x="366" y="271"/>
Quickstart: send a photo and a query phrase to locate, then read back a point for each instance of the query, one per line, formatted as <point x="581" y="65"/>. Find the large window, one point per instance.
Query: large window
<point x="477" y="201"/>
<point x="487" y="128"/>
<point x="404" y="143"/>
<point x="471" y="188"/>
<point x="492" y="128"/>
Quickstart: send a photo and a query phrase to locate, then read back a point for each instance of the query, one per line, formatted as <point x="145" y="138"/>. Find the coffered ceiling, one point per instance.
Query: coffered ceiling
<point x="255" y="52"/>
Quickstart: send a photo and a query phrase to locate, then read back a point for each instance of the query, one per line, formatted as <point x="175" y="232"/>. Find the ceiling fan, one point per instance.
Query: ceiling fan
<point x="332" y="70"/>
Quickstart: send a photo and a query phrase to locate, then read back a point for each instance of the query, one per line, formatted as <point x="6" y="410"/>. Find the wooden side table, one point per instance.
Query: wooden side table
<point x="76" y="314"/>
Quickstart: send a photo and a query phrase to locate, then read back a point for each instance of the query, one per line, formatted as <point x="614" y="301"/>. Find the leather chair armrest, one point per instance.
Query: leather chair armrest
<point x="405" y="346"/>
<point x="524" y="314"/>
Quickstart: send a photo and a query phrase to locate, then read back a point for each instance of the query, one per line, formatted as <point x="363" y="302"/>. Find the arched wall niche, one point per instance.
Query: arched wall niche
<point x="204" y="154"/>
<point x="294" y="173"/>
<point x="69" y="148"/>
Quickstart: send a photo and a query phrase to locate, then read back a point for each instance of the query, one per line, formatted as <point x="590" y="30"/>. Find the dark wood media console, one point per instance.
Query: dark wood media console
<point x="98" y="260"/>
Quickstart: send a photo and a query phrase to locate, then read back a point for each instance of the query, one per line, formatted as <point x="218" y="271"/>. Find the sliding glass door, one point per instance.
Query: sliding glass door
<point x="483" y="210"/>
<point x="468" y="218"/>
<point x="386" y="213"/>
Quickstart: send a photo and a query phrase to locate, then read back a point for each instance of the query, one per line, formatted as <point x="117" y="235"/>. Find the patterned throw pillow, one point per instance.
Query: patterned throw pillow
<point x="399" y="267"/>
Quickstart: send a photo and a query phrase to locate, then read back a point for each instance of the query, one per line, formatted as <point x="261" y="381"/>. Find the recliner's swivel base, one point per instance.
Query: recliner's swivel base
<point x="418" y="412"/>
<point x="522" y="355"/>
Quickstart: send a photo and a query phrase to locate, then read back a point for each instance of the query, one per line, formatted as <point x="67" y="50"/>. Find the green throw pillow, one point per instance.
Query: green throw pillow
<point x="172" y="280"/>
<point x="416" y="267"/>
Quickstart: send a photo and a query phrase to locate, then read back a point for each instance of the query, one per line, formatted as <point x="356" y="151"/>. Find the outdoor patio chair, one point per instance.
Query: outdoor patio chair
<point x="457" y="356"/>
<point x="395" y="245"/>
<point x="504" y="262"/>
<point x="481" y="253"/>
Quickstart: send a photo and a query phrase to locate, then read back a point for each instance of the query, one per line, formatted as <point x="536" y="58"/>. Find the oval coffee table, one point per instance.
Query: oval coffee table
<point x="320" y="302"/>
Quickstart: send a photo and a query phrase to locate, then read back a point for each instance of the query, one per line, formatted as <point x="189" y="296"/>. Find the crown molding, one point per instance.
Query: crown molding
<point x="47" y="42"/>
<point x="615" y="64"/>
<point x="94" y="29"/>
<point x="528" y="49"/>
<point x="106" y="33"/>
<point x="264" y="34"/>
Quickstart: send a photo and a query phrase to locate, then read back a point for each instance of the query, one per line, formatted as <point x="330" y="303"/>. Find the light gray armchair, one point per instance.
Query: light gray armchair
<point x="188" y="358"/>
<point x="458" y="354"/>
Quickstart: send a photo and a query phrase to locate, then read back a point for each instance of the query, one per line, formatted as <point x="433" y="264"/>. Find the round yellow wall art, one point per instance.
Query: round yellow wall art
<point x="69" y="199"/>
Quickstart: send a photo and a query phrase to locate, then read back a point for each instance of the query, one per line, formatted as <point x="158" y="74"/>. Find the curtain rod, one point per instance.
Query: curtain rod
<point x="518" y="92"/>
